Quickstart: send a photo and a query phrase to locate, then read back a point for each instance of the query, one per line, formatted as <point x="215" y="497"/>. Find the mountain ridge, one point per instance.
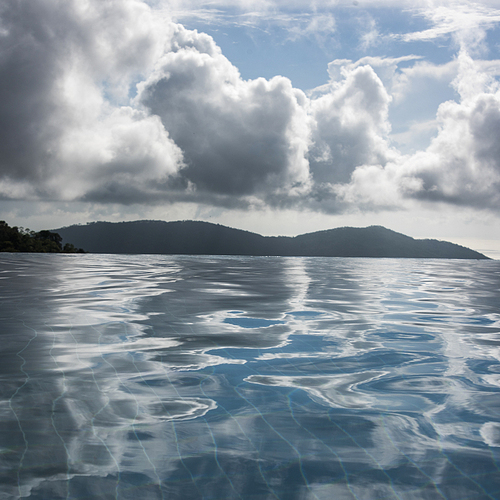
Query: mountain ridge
<point x="206" y="238"/>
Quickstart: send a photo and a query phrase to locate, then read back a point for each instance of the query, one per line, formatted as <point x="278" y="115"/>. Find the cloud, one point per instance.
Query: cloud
<point x="461" y="166"/>
<point x="292" y="20"/>
<point x="350" y="126"/>
<point x="421" y="77"/>
<point x="65" y="67"/>
<point x="264" y="140"/>
<point x="238" y="137"/>
<point x="371" y="36"/>
<point x="466" y="22"/>
<point x="112" y="102"/>
<point x="320" y="26"/>
<point x="386" y="68"/>
<point x="70" y="130"/>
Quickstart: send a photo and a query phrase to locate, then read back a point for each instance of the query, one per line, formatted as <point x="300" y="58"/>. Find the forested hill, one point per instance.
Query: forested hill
<point x="204" y="238"/>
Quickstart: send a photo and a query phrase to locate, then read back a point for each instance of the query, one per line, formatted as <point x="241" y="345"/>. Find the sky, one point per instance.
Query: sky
<point x="279" y="117"/>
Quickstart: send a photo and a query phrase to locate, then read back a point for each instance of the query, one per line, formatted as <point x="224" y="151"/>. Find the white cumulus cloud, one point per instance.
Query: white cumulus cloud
<point x="461" y="166"/>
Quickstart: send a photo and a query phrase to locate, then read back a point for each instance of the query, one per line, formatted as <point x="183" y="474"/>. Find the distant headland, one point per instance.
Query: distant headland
<point x="204" y="238"/>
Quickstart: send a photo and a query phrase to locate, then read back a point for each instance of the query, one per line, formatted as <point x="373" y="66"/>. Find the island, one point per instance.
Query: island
<point x="204" y="238"/>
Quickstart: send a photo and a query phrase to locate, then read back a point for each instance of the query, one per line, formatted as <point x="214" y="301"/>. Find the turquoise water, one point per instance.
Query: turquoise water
<point x="179" y="377"/>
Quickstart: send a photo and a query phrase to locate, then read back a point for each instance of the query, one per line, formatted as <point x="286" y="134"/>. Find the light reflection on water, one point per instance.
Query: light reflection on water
<point x="179" y="377"/>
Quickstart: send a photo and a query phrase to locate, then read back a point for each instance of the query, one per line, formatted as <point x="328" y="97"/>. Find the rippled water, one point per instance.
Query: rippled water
<point x="179" y="377"/>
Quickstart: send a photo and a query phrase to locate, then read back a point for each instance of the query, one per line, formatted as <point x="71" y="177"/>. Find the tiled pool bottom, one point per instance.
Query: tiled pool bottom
<point x="182" y="377"/>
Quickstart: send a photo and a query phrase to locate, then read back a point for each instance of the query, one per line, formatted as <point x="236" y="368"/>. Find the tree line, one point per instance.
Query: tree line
<point x="19" y="239"/>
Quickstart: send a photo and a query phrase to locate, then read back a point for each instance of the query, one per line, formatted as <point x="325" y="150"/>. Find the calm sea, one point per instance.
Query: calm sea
<point x="180" y="377"/>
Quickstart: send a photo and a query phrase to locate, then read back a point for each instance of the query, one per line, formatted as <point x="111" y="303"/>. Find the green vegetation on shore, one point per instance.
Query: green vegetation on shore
<point x="15" y="239"/>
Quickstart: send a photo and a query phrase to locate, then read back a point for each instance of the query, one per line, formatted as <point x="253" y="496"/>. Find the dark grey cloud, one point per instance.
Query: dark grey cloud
<point x="31" y="55"/>
<point x="64" y="67"/>
<point x="238" y="137"/>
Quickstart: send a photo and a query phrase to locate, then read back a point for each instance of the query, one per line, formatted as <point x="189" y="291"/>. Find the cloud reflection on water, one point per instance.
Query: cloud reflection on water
<point x="191" y="377"/>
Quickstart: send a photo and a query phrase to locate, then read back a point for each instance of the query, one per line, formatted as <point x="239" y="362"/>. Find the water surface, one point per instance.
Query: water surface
<point x="179" y="377"/>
